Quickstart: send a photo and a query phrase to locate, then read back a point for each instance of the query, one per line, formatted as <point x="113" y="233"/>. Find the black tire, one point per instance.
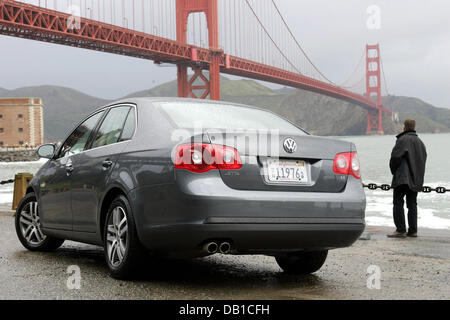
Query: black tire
<point x="302" y="262"/>
<point x="134" y="253"/>
<point x="27" y="214"/>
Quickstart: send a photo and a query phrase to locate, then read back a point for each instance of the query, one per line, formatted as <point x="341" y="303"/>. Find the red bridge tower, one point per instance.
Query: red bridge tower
<point x="211" y="86"/>
<point x="373" y="89"/>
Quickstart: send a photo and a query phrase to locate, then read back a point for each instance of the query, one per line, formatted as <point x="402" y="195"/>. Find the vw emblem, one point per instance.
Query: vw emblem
<point x="290" y="145"/>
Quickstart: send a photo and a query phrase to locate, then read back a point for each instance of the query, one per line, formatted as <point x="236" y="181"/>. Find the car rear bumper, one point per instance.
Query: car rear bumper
<point x="200" y="208"/>
<point x="252" y="238"/>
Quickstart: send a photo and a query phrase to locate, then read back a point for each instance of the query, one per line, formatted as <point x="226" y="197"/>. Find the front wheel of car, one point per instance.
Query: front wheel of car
<point x="123" y="250"/>
<point x="302" y="262"/>
<point x="28" y="226"/>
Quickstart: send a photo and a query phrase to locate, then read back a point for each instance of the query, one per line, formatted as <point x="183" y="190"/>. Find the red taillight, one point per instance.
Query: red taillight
<point x="202" y="157"/>
<point x="347" y="163"/>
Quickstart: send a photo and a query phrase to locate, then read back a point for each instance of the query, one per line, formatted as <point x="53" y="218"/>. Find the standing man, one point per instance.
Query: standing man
<point x="407" y="165"/>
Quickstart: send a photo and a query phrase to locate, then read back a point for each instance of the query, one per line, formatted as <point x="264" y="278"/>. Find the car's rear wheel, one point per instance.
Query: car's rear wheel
<point x="28" y="226"/>
<point x="302" y="262"/>
<point x="123" y="251"/>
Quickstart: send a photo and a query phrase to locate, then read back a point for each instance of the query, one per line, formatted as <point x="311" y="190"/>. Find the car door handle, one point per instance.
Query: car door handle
<point x="107" y="164"/>
<point x="69" y="169"/>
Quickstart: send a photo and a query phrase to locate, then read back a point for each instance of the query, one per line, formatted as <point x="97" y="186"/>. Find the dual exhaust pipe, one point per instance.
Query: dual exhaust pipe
<point x="213" y="247"/>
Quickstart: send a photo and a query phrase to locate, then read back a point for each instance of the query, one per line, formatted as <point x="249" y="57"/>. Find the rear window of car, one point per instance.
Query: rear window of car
<point x="188" y="115"/>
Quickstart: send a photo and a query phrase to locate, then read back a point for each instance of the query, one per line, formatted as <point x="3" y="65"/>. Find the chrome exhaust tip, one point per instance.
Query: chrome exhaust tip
<point x="211" y="247"/>
<point x="225" y="248"/>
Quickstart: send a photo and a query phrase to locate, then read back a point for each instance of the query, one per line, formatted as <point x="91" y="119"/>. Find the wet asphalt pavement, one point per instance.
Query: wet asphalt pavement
<point x="410" y="269"/>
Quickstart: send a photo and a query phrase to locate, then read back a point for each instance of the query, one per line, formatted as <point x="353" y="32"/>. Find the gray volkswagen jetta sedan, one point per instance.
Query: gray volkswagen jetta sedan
<point x="189" y="178"/>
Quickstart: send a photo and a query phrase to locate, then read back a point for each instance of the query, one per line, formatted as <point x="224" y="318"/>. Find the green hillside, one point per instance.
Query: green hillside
<point x="429" y="118"/>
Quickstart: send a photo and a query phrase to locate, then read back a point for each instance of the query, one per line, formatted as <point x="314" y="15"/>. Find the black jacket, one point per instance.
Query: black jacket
<point x="408" y="160"/>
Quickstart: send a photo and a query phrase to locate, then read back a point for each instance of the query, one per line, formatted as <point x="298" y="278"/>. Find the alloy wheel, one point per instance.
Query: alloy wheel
<point x="30" y="225"/>
<point x="116" y="237"/>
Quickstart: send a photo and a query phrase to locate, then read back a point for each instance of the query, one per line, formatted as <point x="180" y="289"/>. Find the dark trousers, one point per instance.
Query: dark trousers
<point x="399" y="213"/>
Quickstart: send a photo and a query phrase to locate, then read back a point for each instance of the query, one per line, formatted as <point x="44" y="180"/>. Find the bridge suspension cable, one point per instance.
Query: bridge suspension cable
<point x="384" y="78"/>
<point x="256" y="30"/>
<point x="270" y="37"/>
<point x="298" y="44"/>
<point x="356" y="80"/>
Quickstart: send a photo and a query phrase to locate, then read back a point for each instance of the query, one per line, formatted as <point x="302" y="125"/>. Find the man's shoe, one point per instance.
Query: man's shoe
<point x="397" y="234"/>
<point x="412" y="234"/>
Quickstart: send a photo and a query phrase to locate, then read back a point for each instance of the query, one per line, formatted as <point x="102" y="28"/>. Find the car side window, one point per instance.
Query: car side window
<point x="76" y="142"/>
<point x="129" y="127"/>
<point x="111" y="128"/>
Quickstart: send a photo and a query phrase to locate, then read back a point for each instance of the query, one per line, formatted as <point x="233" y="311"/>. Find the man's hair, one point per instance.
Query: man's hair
<point x="410" y="125"/>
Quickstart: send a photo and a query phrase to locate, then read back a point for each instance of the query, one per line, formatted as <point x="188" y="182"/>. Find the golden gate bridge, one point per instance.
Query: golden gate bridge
<point x="246" y="38"/>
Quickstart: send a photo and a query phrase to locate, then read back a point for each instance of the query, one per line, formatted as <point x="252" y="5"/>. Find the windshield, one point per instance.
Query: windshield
<point x="189" y="115"/>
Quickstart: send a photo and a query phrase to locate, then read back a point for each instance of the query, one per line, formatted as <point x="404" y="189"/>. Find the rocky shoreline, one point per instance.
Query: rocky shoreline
<point x="18" y="155"/>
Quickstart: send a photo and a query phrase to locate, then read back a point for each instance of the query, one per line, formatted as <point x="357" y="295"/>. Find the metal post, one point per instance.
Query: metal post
<point x="21" y="182"/>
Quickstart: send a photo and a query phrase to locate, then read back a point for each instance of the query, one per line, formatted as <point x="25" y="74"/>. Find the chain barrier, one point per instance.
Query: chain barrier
<point x="370" y="186"/>
<point x="386" y="187"/>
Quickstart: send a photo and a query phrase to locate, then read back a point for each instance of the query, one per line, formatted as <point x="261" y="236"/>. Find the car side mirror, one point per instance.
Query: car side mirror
<point x="46" y="151"/>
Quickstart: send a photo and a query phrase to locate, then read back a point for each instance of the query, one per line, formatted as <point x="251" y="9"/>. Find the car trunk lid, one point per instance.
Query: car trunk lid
<point x="272" y="162"/>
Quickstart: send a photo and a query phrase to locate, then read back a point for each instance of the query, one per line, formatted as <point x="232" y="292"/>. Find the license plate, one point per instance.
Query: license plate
<point x="287" y="171"/>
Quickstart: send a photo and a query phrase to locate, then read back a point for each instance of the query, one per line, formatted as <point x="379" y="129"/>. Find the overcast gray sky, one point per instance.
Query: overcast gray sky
<point x="414" y="38"/>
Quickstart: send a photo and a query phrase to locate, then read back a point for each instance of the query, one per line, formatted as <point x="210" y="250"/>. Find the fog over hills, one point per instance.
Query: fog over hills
<point x="318" y="114"/>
